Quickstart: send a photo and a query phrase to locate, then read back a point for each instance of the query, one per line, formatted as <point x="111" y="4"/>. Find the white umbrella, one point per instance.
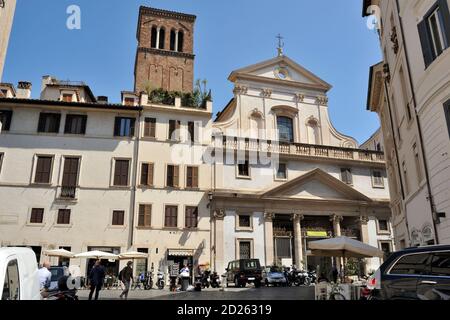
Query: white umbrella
<point x="59" y="253"/>
<point x="96" y="255"/>
<point x="133" y="255"/>
<point x="343" y="247"/>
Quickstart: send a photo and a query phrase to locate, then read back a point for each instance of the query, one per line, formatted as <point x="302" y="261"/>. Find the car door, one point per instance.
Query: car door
<point x="400" y="282"/>
<point x="11" y="285"/>
<point x="230" y="272"/>
<point x="435" y="284"/>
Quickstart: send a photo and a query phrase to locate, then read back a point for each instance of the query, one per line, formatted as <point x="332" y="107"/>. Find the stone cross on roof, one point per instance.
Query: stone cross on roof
<point x="280" y="45"/>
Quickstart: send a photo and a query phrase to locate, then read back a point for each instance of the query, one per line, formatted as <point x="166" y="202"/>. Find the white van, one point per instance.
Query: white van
<point x="19" y="274"/>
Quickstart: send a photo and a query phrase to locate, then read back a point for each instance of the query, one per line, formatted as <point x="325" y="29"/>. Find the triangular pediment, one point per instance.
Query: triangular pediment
<point x="281" y="69"/>
<point x="316" y="184"/>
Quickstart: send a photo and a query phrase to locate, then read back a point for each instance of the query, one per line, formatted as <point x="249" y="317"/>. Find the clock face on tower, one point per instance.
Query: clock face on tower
<point x="281" y="73"/>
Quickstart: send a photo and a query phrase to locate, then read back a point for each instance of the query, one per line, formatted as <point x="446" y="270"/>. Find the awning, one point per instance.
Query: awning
<point x="181" y="252"/>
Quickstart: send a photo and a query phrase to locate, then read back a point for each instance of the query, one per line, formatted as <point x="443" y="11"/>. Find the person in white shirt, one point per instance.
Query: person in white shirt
<point x="45" y="276"/>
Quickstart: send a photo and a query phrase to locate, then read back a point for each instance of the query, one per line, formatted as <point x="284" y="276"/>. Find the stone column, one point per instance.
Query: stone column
<point x="157" y="37"/>
<point x="336" y="219"/>
<point x="298" y="240"/>
<point x="363" y="219"/>
<point x="219" y="216"/>
<point x="268" y="238"/>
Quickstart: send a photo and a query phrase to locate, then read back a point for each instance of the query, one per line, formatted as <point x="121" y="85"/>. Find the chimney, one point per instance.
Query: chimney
<point x="47" y="80"/>
<point x="102" y="99"/>
<point x="23" y="90"/>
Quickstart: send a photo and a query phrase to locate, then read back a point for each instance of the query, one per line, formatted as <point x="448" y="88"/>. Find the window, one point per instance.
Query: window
<point x="406" y="101"/>
<point x="154" y="37"/>
<point x="412" y="264"/>
<point x="63" y="216"/>
<point x="70" y="177"/>
<point x="383" y="225"/>
<point x="11" y="285"/>
<point x="118" y="218"/>
<point x="192" y="177"/>
<point x="67" y="97"/>
<point x="191" y="131"/>
<point x="124" y="127"/>
<point x="244" y="169"/>
<point x="174" y="130"/>
<point x="37" y="215"/>
<point x="75" y="124"/>
<point x="147" y="174"/>
<point x="180" y="41"/>
<point x="145" y="215"/>
<point x="5" y="119"/>
<point x="285" y="129"/>
<point x="447" y="115"/>
<point x="191" y="217"/>
<point x="162" y="38"/>
<point x="129" y="102"/>
<point x="172" y="40"/>
<point x="282" y="171"/>
<point x="173" y="176"/>
<point x="346" y="175"/>
<point x="405" y="176"/>
<point x="244" y="221"/>
<point x="386" y="248"/>
<point x="434" y="32"/>
<point x="43" y="169"/>
<point x="150" y="127"/>
<point x="245" y="249"/>
<point x="121" y="173"/>
<point x="417" y="163"/>
<point x="440" y="264"/>
<point x="171" y="217"/>
<point x="377" y="178"/>
<point x="49" y="122"/>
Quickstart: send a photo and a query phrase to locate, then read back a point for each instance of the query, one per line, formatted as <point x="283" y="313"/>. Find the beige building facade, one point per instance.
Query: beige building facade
<point x="7" y="8"/>
<point x="410" y="91"/>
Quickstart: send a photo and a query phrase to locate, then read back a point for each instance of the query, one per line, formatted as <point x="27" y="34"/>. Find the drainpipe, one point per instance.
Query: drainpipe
<point x="427" y="176"/>
<point x="134" y="181"/>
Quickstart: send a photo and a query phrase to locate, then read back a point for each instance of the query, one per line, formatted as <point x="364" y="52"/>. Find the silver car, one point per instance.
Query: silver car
<point x="274" y="276"/>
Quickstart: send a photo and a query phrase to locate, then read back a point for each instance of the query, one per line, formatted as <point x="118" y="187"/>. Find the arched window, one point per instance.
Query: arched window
<point x="313" y="132"/>
<point x="172" y="39"/>
<point x="180" y="41"/>
<point x="154" y="35"/>
<point x="162" y="38"/>
<point x="285" y="129"/>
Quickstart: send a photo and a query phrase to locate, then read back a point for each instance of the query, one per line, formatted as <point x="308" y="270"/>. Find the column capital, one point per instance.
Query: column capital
<point x="269" y="216"/>
<point x="363" y="219"/>
<point x="336" y="218"/>
<point x="219" y="214"/>
<point x="298" y="216"/>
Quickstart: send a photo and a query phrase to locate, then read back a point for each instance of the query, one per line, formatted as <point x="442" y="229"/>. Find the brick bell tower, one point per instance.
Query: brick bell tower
<point x="164" y="57"/>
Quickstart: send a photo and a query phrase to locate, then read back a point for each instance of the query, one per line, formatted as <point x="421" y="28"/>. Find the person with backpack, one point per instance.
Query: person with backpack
<point x="126" y="276"/>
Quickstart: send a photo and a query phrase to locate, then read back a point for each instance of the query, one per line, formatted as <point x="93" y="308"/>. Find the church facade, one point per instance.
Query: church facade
<point x="155" y="173"/>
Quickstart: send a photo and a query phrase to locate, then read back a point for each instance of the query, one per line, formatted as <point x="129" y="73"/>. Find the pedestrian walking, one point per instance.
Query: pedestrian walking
<point x="126" y="276"/>
<point x="96" y="279"/>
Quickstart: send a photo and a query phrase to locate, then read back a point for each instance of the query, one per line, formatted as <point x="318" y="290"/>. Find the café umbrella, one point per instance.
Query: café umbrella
<point x="133" y="255"/>
<point x="99" y="255"/>
<point x="59" y="253"/>
<point x="343" y="247"/>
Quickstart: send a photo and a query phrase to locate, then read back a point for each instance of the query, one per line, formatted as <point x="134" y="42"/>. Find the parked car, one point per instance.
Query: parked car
<point x="57" y="273"/>
<point x="274" y="276"/>
<point x="420" y="273"/>
<point x="19" y="274"/>
<point x="241" y="272"/>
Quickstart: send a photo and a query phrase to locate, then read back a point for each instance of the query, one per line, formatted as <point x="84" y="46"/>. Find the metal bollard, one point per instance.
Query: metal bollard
<point x="224" y="279"/>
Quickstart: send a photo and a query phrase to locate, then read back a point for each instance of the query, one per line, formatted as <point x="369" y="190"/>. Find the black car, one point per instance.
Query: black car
<point x="420" y="273"/>
<point x="241" y="272"/>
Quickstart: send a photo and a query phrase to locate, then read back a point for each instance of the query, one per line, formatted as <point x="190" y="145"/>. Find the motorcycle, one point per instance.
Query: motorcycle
<point x="290" y="277"/>
<point x="301" y="278"/>
<point x="215" y="280"/>
<point x="205" y="279"/>
<point x="148" y="281"/>
<point x="313" y="276"/>
<point x="160" y="282"/>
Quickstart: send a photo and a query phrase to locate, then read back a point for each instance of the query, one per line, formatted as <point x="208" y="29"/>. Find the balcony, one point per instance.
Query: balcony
<point x="298" y="149"/>
<point x="68" y="193"/>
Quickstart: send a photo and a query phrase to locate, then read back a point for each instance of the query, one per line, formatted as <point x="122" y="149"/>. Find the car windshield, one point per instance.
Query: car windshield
<point x="56" y="274"/>
<point x="275" y="269"/>
<point x="251" y="264"/>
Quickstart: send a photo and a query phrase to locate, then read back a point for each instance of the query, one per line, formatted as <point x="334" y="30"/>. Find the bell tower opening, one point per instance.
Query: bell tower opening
<point x="164" y="58"/>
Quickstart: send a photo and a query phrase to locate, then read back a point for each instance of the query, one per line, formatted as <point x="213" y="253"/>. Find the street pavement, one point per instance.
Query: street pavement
<point x="249" y="293"/>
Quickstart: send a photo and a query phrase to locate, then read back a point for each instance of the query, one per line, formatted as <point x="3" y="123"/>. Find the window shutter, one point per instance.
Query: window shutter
<point x="447" y="115"/>
<point x="5" y="117"/>
<point x="150" y="174"/>
<point x="68" y="124"/>
<point x="83" y="124"/>
<point x="57" y="117"/>
<point x="147" y="215"/>
<point x="152" y="128"/>
<point x="141" y="218"/>
<point x="176" y="176"/>
<point x="195" y="177"/>
<point x="443" y="6"/>
<point x="425" y="40"/>
<point x="132" y="126"/>
<point x="70" y="173"/>
<point x="41" y="124"/>
<point x="117" y="126"/>
<point x="124" y="173"/>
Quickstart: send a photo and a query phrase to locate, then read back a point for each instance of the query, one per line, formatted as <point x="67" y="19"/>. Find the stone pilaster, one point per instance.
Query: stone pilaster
<point x="218" y="217"/>
<point x="297" y="218"/>
<point x="268" y="238"/>
<point x="336" y="219"/>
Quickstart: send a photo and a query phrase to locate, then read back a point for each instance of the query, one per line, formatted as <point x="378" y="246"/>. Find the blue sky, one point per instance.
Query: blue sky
<point x="329" y="39"/>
